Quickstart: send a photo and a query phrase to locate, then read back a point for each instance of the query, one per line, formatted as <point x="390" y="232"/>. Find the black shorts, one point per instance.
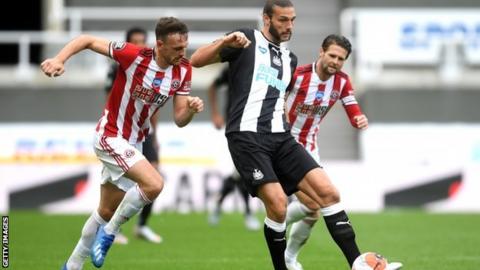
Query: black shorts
<point x="271" y="157"/>
<point x="149" y="151"/>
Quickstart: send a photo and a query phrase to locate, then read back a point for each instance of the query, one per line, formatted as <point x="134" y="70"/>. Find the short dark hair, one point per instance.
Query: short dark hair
<point x="135" y="30"/>
<point x="337" y="40"/>
<point x="268" y="8"/>
<point x="169" y="25"/>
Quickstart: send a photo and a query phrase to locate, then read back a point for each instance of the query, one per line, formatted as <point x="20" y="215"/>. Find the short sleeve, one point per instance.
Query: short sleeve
<point x="124" y="53"/>
<point x="228" y="54"/>
<point x="186" y="85"/>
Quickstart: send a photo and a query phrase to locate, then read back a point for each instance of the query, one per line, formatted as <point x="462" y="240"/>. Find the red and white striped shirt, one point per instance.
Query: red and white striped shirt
<point x="310" y="99"/>
<point x="140" y="88"/>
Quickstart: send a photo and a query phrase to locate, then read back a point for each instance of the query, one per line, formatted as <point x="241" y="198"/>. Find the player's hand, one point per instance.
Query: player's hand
<point x="52" y="67"/>
<point x="361" y="121"/>
<point x="236" y="40"/>
<point x="195" y="104"/>
<point x="218" y="120"/>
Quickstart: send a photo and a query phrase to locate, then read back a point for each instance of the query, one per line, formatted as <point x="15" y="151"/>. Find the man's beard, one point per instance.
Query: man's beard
<point x="275" y="34"/>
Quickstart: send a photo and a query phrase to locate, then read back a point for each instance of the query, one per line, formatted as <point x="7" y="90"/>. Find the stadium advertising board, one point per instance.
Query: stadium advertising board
<point x="414" y="36"/>
<point x="53" y="168"/>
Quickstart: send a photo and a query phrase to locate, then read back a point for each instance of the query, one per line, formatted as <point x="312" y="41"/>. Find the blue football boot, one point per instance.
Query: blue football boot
<point x="100" y="247"/>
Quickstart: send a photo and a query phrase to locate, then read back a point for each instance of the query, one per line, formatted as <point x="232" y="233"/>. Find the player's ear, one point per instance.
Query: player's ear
<point x="321" y="52"/>
<point x="160" y="43"/>
<point x="266" y="19"/>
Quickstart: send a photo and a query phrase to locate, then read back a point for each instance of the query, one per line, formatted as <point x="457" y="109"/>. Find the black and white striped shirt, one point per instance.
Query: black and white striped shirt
<point x="259" y="76"/>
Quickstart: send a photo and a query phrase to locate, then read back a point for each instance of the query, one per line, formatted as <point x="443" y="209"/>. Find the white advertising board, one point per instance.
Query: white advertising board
<point x="412" y="36"/>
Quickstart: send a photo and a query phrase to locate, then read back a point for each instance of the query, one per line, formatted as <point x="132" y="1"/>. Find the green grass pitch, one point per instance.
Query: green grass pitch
<point x="421" y="241"/>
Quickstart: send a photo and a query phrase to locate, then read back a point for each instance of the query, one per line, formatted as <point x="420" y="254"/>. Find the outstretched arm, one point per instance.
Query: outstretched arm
<point x="185" y="107"/>
<point x="54" y="67"/>
<point x="209" y="54"/>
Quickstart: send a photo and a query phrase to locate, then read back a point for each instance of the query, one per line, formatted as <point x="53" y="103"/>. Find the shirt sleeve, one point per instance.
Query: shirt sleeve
<point x="229" y="54"/>
<point x="186" y="85"/>
<point x="350" y="103"/>
<point x="124" y="53"/>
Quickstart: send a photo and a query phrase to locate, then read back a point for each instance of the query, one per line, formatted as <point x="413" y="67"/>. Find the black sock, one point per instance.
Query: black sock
<point x="276" y="244"/>
<point x="146" y="211"/>
<point x="342" y="232"/>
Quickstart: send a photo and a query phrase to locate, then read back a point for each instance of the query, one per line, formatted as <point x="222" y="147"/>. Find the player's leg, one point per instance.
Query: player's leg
<point x="110" y="198"/>
<point x="142" y="230"/>
<point x="317" y="185"/>
<point x="251" y="222"/>
<point x="275" y="201"/>
<point x="228" y="185"/>
<point x="131" y="172"/>
<point x="252" y="155"/>
<point x="301" y="221"/>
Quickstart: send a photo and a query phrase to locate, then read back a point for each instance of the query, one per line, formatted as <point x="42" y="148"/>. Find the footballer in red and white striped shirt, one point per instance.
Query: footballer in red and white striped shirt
<point x="145" y="80"/>
<point x="140" y="88"/>
<point x="315" y="88"/>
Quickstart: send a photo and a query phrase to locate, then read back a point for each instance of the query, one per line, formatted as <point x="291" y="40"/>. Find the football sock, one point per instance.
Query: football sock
<point x="341" y="231"/>
<point x="298" y="235"/>
<point x="275" y="237"/>
<point x="131" y="204"/>
<point x="82" y="249"/>
<point x="295" y="212"/>
<point x="145" y="214"/>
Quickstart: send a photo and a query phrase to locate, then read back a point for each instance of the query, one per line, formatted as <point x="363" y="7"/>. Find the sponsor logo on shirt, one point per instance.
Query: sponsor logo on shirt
<point x="311" y="110"/>
<point x="149" y="96"/>
<point x="156" y="83"/>
<point x="269" y="76"/>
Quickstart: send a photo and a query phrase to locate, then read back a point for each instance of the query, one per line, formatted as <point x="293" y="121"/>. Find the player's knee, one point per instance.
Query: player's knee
<point x="153" y="188"/>
<point x="278" y="207"/>
<point x="330" y="196"/>
<point x="106" y="213"/>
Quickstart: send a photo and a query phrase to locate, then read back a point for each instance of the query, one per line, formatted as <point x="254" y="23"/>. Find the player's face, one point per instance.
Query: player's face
<point x="138" y="39"/>
<point x="280" y="25"/>
<point x="173" y="48"/>
<point x="332" y="59"/>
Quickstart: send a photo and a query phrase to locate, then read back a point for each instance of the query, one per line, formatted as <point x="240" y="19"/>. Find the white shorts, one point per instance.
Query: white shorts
<point x="117" y="156"/>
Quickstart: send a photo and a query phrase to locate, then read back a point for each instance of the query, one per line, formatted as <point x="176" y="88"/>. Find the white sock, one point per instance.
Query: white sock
<point x="298" y="235"/>
<point x="276" y="226"/>
<point x="131" y="204"/>
<point x="295" y="212"/>
<point x="82" y="249"/>
<point x="332" y="209"/>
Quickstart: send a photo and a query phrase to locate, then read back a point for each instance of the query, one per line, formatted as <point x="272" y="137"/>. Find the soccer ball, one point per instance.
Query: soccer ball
<point x="370" y="261"/>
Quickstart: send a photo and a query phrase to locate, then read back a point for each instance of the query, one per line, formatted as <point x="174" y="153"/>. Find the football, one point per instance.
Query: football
<point x="370" y="261"/>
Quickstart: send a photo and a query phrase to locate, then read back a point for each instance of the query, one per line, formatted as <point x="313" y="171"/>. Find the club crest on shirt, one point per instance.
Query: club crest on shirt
<point x="116" y="45"/>
<point x="175" y="84"/>
<point x="276" y="60"/>
<point x="156" y="83"/>
<point x="334" y="95"/>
